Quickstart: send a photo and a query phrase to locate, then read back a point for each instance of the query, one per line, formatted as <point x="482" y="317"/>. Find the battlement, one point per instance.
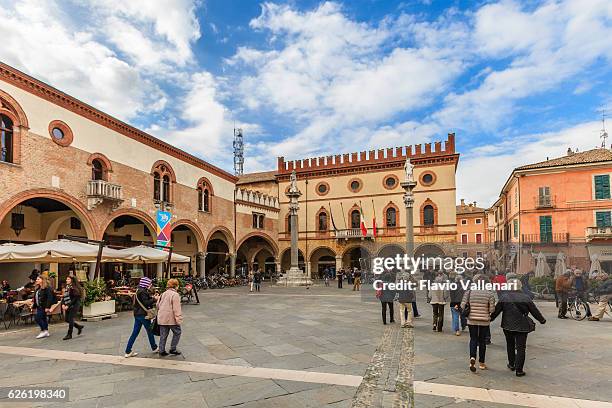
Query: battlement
<point x="392" y="154"/>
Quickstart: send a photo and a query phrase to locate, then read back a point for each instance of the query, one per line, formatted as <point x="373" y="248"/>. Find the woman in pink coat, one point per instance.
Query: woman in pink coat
<point x="169" y="318"/>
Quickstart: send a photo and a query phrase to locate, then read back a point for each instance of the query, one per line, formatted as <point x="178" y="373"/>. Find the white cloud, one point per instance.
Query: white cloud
<point x="483" y="171"/>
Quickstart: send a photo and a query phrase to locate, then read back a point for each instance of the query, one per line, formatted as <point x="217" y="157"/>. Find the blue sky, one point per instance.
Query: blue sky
<point x="516" y="82"/>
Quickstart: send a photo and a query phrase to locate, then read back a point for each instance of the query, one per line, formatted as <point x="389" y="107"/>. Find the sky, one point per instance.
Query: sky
<point x="516" y="82"/>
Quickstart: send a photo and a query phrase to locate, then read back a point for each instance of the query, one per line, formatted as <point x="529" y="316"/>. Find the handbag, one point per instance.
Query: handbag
<point x="465" y="312"/>
<point x="155" y="327"/>
<point x="151" y="313"/>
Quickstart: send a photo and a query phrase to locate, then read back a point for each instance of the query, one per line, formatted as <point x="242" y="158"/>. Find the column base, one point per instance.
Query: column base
<point x="294" y="277"/>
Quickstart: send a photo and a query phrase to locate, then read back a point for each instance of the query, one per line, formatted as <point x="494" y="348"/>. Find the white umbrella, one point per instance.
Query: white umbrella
<point x="146" y="254"/>
<point x="560" y="265"/>
<point x="6" y="249"/>
<point x="595" y="266"/>
<point x="542" y="268"/>
<point x="60" y="251"/>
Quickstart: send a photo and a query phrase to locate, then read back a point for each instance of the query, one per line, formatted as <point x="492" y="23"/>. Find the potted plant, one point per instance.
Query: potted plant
<point x="97" y="302"/>
<point x="53" y="280"/>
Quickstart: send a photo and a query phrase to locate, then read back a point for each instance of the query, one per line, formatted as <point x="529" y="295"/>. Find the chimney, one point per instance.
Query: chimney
<point x="463" y="203"/>
<point x="569" y="151"/>
<point x="474" y="203"/>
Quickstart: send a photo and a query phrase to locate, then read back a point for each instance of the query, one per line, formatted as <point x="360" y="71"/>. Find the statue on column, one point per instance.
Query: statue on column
<point x="409" y="169"/>
<point x="293" y="188"/>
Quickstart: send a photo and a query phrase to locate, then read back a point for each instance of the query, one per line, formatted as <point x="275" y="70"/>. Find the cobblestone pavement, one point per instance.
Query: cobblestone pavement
<point x="315" y="331"/>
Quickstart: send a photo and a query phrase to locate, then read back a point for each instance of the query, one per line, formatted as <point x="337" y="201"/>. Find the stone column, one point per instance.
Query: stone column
<point x="232" y="271"/>
<point x="293" y="217"/>
<point x="277" y="266"/>
<point x="160" y="270"/>
<point x="202" y="264"/>
<point x="408" y="185"/>
<point x="338" y="262"/>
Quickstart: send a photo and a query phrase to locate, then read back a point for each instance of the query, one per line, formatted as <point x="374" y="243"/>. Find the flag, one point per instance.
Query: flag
<point x="331" y="215"/>
<point x="364" y="230"/>
<point x="373" y="220"/>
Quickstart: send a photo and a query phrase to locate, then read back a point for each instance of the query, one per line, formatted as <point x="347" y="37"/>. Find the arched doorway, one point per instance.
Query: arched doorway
<point x="428" y="252"/>
<point x="286" y="260"/>
<point x="356" y="257"/>
<point x="391" y="251"/>
<point x="218" y="254"/>
<point x="37" y="219"/>
<point x="253" y="252"/>
<point x="187" y="239"/>
<point x="125" y="230"/>
<point x="320" y="259"/>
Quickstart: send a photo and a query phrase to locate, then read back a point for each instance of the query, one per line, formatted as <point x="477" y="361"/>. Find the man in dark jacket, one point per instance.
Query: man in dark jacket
<point x="515" y="307"/>
<point x="386" y="297"/>
<point x="143" y="301"/>
<point x="605" y="295"/>
<point x="405" y="297"/>
<point x="562" y="287"/>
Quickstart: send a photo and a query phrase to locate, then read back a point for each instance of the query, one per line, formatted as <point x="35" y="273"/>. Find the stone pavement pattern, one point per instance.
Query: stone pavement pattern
<point x="322" y="330"/>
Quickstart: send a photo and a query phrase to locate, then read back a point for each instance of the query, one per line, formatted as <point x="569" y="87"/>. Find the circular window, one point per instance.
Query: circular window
<point x="428" y="178"/>
<point x="322" y="188"/>
<point x="355" y="185"/>
<point x="60" y="133"/>
<point x="390" y="182"/>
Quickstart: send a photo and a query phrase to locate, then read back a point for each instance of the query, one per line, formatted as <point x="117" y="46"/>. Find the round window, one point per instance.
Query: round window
<point x="57" y="133"/>
<point x="322" y="188"/>
<point x="390" y="182"/>
<point x="428" y="178"/>
<point x="355" y="185"/>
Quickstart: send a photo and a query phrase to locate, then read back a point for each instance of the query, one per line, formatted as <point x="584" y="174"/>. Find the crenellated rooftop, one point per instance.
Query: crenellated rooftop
<point x="257" y="198"/>
<point x="392" y="154"/>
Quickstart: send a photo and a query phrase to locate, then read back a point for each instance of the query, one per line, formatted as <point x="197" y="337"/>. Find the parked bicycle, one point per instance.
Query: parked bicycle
<point x="577" y="307"/>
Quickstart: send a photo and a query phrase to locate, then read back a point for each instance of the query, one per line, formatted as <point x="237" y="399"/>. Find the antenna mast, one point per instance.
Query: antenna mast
<point x="603" y="134"/>
<point x="238" y="152"/>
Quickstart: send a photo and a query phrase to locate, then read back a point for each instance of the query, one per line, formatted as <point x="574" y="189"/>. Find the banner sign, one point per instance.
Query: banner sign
<point x="163" y="228"/>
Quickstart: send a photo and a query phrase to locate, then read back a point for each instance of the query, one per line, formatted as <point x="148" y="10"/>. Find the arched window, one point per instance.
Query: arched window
<point x="156" y="186"/>
<point x="206" y="200"/>
<point x="205" y="194"/>
<point x="166" y="189"/>
<point x="200" y="196"/>
<point x="391" y="217"/>
<point x="428" y="215"/>
<point x="6" y="139"/>
<point x="322" y="221"/>
<point x="355" y="219"/>
<point x="97" y="170"/>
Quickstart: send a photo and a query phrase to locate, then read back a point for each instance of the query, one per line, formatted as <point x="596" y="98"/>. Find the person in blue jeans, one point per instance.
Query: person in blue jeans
<point x="456" y="296"/>
<point x="143" y="301"/>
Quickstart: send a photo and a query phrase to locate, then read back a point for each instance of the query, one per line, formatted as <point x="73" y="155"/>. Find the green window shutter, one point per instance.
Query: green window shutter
<point x="602" y="187"/>
<point x="546" y="228"/>
<point x="516" y="231"/>
<point x="603" y="219"/>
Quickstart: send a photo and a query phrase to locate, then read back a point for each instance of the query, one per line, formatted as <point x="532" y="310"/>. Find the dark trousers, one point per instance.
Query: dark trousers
<point x="257" y="285"/>
<point x="464" y="322"/>
<point x="478" y="335"/>
<point x="384" y="311"/>
<point x="562" y="303"/>
<point x="140" y="321"/>
<point x="516" y="344"/>
<point x="70" y="316"/>
<point x="41" y="319"/>
<point x="164" y="331"/>
<point x="339" y="283"/>
<point x="415" y="311"/>
<point x="438" y="316"/>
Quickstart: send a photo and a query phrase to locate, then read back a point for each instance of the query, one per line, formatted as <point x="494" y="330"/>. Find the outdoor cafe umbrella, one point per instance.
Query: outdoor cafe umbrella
<point x="6" y="249"/>
<point x="595" y="266"/>
<point x="560" y="265"/>
<point x="60" y="251"/>
<point x="146" y="254"/>
<point x="541" y="268"/>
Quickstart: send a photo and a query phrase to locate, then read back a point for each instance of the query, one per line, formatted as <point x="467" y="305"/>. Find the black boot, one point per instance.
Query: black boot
<point x="80" y="329"/>
<point x="67" y="337"/>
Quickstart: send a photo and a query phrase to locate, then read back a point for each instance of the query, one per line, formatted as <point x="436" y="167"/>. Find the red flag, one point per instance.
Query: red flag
<point x="364" y="230"/>
<point x="373" y="220"/>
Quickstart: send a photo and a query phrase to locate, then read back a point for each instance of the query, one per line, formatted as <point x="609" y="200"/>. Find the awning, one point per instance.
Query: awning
<point x="60" y="251"/>
<point x="146" y="254"/>
<point x="603" y="252"/>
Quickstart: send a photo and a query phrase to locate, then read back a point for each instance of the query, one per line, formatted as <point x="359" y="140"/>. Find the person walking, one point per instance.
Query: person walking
<point x="340" y="275"/>
<point x="257" y="280"/>
<point x="251" y="279"/>
<point x="43" y="299"/>
<point x="605" y="295"/>
<point x="386" y="297"/>
<point x="144" y="304"/>
<point x="581" y="285"/>
<point x="357" y="280"/>
<point x="71" y="304"/>
<point x="439" y="296"/>
<point x="456" y="296"/>
<point x="405" y="298"/>
<point x="327" y="276"/>
<point x="562" y="287"/>
<point x="481" y="304"/>
<point x="515" y="307"/>
<point x="170" y="317"/>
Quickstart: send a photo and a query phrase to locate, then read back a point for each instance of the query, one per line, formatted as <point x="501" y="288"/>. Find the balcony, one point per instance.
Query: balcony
<point x="99" y="191"/>
<point x="553" y="238"/>
<point x="354" y="233"/>
<point x="593" y="233"/>
<point x="545" y="202"/>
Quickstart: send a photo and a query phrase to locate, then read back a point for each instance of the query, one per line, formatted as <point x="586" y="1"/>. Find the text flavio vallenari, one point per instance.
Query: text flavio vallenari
<point x="424" y="284"/>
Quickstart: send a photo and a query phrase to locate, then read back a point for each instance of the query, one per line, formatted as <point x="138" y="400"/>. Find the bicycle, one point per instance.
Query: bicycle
<point x="577" y="307"/>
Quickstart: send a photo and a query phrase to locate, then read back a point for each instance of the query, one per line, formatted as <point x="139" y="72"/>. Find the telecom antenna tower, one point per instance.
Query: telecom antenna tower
<point x="238" y="152"/>
<point x="603" y="133"/>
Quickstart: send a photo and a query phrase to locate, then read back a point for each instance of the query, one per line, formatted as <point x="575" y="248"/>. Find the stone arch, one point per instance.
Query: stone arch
<point x="350" y="259"/>
<point x="14" y="110"/>
<point x="429" y="249"/>
<point x="106" y="163"/>
<point x="195" y="228"/>
<point x="206" y="181"/>
<point x="141" y="215"/>
<point x="170" y="171"/>
<point x="75" y="205"/>
<point x="285" y="259"/>
<point x="263" y="235"/>
<point x="391" y="249"/>
<point x="318" y="264"/>
<point x="226" y="233"/>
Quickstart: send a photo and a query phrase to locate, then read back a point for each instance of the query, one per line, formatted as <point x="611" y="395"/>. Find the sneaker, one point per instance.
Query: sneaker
<point x="163" y="354"/>
<point x="131" y="354"/>
<point x="43" y="334"/>
<point x="434" y="328"/>
<point x="510" y="366"/>
<point x="520" y="373"/>
<point x="457" y="333"/>
<point x="67" y="337"/>
<point x="156" y="349"/>
<point x="482" y="366"/>
<point x="593" y="319"/>
<point x="473" y="365"/>
<point x="80" y="330"/>
<point x="175" y="352"/>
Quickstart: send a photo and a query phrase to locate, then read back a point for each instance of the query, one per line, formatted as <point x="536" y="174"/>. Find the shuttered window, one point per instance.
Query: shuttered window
<point x="602" y="187"/>
<point x="603" y="219"/>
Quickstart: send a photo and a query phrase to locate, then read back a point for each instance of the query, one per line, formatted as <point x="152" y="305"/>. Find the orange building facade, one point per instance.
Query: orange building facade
<point x="472" y="230"/>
